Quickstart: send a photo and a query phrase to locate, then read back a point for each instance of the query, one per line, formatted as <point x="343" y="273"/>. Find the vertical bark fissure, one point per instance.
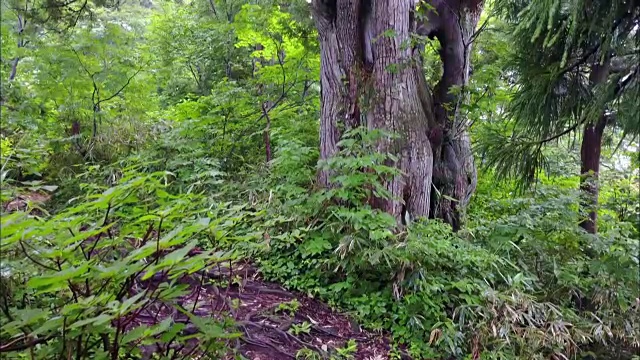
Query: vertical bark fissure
<point x="397" y="107"/>
<point x="341" y="28"/>
<point x="348" y="30"/>
<point x="330" y="87"/>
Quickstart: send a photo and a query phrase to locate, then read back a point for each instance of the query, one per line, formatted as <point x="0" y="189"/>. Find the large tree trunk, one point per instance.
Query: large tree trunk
<point x="365" y="53"/>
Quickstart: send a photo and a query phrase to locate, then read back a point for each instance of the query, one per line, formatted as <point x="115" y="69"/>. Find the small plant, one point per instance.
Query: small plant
<point x="348" y="351"/>
<point x="302" y="328"/>
<point x="82" y="281"/>
<point x="308" y="354"/>
<point x="289" y="307"/>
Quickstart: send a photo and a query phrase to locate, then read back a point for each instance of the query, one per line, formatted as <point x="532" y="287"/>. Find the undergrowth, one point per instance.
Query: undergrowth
<point x="108" y="277"/>
<point x="529" y="283"/>
<point x="524" y="283"/>
<point x="149" y="148"/>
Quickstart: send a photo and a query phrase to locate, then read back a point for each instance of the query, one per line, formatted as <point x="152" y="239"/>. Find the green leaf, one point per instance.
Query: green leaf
<point x="94" y="321"/>
<point x="135" y="334"/>
<point x="56" y="281"/>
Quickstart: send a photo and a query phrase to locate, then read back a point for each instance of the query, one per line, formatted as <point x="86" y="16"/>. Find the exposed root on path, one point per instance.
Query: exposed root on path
<point x="274" y="323"/>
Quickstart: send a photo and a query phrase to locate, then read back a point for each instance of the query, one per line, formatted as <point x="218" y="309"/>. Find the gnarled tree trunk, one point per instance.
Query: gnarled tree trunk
<point x="366" y="49"/>
<point x="454" y="170"/>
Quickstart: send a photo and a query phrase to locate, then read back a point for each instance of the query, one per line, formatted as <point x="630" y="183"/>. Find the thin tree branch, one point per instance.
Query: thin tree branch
<point x="24" y="250"/>
<point x="621" y="86"/>
<point x="479" y="31"/>
<point x="12" y="346"/>
<point x="59" y="5"/>
<point x="580" y="61"/>
<point x="195" y="77"/>
<point x="213" y="8"/>
<point x="122" y="88"/>
<point x="267" y="138"/>
<point x="589" y="53"/>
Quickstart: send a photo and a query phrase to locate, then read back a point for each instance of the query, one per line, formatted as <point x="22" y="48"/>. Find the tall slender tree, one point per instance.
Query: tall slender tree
<point x="576" y="68"/>
<point x="372" y="75"/>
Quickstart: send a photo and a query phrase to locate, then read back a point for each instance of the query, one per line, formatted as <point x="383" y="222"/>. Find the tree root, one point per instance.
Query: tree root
<point x="326" y="332"/>
<point x="264" y="329"/>
<point x="249" y="340"/>
<point x="266" y="290"/>
<point x="284" y="335"/>
<point x="285" y="325"/>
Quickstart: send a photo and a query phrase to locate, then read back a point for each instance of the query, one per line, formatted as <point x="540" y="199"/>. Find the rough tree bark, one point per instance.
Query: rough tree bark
<point x="366" y="52"/>
<point x="454" y="170"/>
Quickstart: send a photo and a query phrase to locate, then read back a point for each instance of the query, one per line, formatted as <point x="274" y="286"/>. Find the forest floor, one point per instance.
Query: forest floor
<point x="267" y="317"/>
<point x="274" y="324"/>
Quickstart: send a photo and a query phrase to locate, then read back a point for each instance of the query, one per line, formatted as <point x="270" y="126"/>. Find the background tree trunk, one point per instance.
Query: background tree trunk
<point x="589" y="168"/>
<point x="21" y="43"/>
<point x="590" y="150"/>
<point x="366" y="53"/>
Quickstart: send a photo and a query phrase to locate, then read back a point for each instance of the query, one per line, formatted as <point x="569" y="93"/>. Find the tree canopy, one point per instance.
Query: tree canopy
<point x="319" y="179"/>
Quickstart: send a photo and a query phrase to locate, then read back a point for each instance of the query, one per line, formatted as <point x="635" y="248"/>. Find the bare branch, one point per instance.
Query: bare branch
<point x="122" y="88"/>
<point x="16" y="344"/>
<point x="479" y="31"/>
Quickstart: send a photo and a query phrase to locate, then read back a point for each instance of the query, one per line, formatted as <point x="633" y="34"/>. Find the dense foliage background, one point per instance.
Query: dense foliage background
<point x="145" y="144"/>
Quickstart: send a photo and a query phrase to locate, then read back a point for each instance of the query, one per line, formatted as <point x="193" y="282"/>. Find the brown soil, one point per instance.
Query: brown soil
<point x="268" y="332"/>
<point x="26" y="202"/>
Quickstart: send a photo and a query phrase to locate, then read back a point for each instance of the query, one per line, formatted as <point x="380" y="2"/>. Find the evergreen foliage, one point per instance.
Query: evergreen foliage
<point x="556" y="48"/>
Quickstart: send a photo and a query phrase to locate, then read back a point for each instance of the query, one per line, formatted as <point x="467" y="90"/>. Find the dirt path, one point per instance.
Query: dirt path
<point x="275" y="324"/>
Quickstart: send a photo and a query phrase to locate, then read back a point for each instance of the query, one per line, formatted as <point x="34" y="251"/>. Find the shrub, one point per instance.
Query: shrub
<point x="109" y="277"/>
